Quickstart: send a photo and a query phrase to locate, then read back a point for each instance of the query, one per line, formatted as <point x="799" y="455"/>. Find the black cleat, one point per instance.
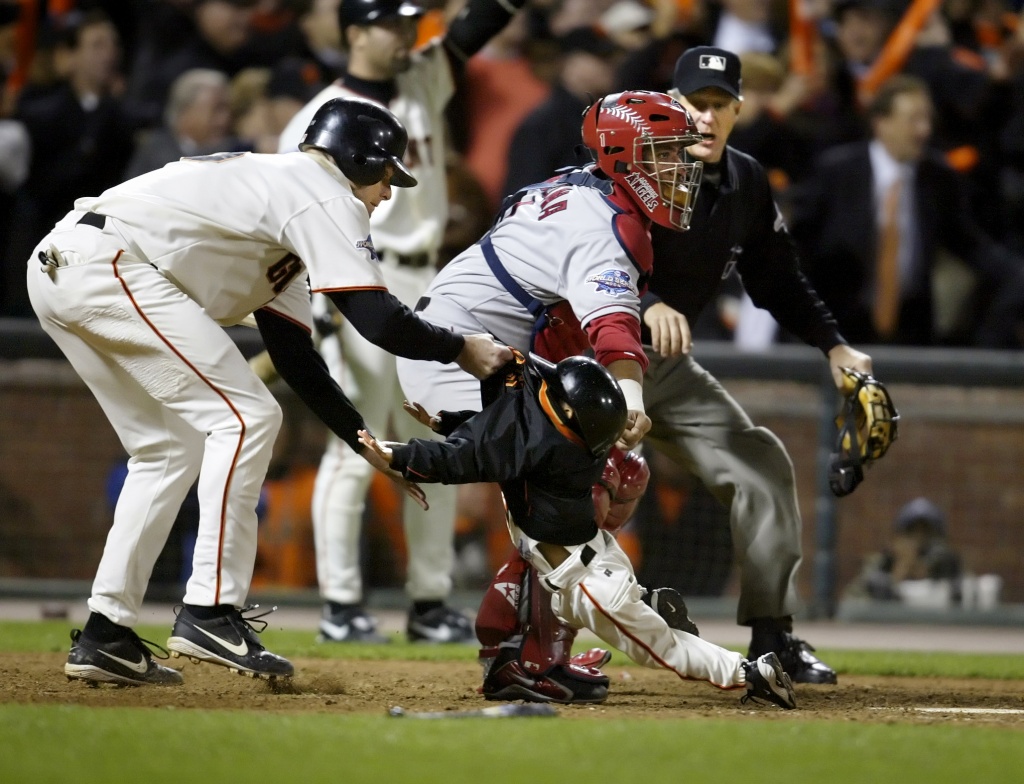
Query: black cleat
<point x="766" y="680"/>
<point x="797" y="657"/>
<point x="353" y="624"/>
<point x="127" y="662"/>
<point x="230" y="641"/>
<point x="440" y="625"/>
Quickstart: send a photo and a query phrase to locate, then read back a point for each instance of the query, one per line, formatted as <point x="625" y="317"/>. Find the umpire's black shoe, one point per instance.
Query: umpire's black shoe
<point x="797" y="657"/>
<point x="352" y="624"/>
<point x="228" y="640"/>
<point x="126" y="661"/>
<point x="766" y="680"/>
<point x="440" y="625"/>
<point x="669" y="604"/>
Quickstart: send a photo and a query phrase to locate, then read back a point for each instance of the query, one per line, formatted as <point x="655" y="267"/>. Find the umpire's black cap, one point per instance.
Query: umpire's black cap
<point x="708" y="66"/>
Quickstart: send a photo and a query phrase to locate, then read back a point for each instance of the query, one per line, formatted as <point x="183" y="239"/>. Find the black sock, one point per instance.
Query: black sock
<point x="209" y="613"/>
<point x="334" y="608"/>
<point x="101" y="629"/>
<point x="422" y="608"/>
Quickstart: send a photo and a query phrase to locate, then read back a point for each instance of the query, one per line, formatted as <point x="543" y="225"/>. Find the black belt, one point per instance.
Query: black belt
<point x="413" y="259"/>
<point x="93" y="219"/>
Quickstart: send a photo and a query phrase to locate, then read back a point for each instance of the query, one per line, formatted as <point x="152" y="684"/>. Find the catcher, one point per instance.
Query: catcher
<point x="546" y="439"/>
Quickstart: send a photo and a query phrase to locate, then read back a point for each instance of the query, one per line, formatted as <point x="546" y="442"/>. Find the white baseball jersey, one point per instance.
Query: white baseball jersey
<point x="235" y="231"/>
<point x="568" y="242"/>
<point x="413" y="220"/>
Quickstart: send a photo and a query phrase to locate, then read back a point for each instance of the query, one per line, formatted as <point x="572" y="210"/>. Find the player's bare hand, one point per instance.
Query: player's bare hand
<point x="670" y="331"/>
<point x="637" y="425"/>
<point x="482" y="356"/>
<point x="419" y="413"/>
<point x="846" y="356"/>
<point x="378" y="454"/>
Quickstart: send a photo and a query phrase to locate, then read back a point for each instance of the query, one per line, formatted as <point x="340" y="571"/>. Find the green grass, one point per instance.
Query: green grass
<point x="82" y="745"/>
<point x="52" y="743"/>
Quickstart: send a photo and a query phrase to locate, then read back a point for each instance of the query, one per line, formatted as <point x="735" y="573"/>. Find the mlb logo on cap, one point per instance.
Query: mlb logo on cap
<point x="712" y="61"/>
<point x="707" y="66"/>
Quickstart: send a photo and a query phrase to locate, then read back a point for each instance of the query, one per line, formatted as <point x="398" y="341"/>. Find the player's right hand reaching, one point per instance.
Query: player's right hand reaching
<point x="378" y="454"/>
<point x="482" y="356"/>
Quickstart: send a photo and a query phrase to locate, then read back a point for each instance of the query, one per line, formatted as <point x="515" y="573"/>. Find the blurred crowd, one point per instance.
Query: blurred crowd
<point x="96" y="91"/>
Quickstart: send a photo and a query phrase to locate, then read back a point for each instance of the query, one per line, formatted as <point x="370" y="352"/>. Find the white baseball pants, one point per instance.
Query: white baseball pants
<point x="183" y="402"/>
<point x="368" y="375"/>
<point x="603" y="595"/>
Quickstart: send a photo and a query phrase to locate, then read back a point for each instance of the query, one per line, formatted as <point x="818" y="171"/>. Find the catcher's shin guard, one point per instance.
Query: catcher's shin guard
<point x="526" y="648"/>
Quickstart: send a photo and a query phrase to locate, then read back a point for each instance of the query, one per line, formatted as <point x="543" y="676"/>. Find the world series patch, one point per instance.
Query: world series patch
<point x="367" y="244"/>
<point x="613" y="282"/>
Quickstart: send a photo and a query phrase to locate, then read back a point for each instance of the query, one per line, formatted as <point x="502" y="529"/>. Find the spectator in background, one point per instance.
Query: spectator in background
<point x="919" y="551"/>
<point x="250" y="112"/>
<point x="319" y="25"/>
<point x="746" y="26"/>
<point x="872" y="219"/>
<point x="628" y="24"/>
<point x="197" y="121"/>
<point x="80" y="138"/>
<point x="859" y="33"/>
<point x="501" y="89"/>
<point x="549" y="138"/>
<point x="264" y="100"/>
<point x="9" y="15"/>
<point x="763" y="129"/>
<point x="179" y="37"/>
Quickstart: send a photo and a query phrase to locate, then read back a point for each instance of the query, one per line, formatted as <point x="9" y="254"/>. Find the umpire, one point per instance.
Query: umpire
<point x="735" y="224"/>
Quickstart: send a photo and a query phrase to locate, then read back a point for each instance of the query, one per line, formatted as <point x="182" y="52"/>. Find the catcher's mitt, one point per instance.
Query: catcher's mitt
<point x="866" y="427"/>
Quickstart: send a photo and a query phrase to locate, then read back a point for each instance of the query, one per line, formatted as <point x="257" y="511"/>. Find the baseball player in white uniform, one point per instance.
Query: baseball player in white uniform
<point x="134" y="286"/>
<point x="407" y="231"/>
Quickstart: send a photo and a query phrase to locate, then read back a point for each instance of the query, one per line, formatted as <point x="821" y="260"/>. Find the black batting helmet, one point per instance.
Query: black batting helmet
<point x="599" y="407"/>
<point x="362" y="138"/>
<point x="364" y="12"/>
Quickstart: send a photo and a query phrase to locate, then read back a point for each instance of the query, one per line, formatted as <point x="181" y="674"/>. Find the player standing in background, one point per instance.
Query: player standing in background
<point x="546" y="438"/>
<point x="696" y="422"/>
<point x="135" y="285"/>
<point x="407" y="232"/>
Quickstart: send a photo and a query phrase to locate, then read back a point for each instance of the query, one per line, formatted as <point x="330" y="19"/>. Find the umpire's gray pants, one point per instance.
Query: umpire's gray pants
<point x="702" y="428"/>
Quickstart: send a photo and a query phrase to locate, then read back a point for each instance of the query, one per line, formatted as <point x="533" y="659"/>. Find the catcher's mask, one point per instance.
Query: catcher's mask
<point x="638" y="139"/>
<point x="866" y="425"/>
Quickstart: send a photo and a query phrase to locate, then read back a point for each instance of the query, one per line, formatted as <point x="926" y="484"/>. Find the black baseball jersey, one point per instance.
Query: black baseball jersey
<point x="520" y="441"/>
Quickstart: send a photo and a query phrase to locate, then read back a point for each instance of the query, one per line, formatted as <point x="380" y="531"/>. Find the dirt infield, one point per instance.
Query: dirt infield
<point x="334" y="686"/>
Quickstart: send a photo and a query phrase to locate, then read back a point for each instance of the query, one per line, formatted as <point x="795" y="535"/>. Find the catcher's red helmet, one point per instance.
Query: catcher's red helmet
<point x="638" y="138"/>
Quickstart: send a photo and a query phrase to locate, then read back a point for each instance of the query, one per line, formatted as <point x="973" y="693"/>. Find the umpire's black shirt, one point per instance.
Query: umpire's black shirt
<point x="736" y="223"/>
